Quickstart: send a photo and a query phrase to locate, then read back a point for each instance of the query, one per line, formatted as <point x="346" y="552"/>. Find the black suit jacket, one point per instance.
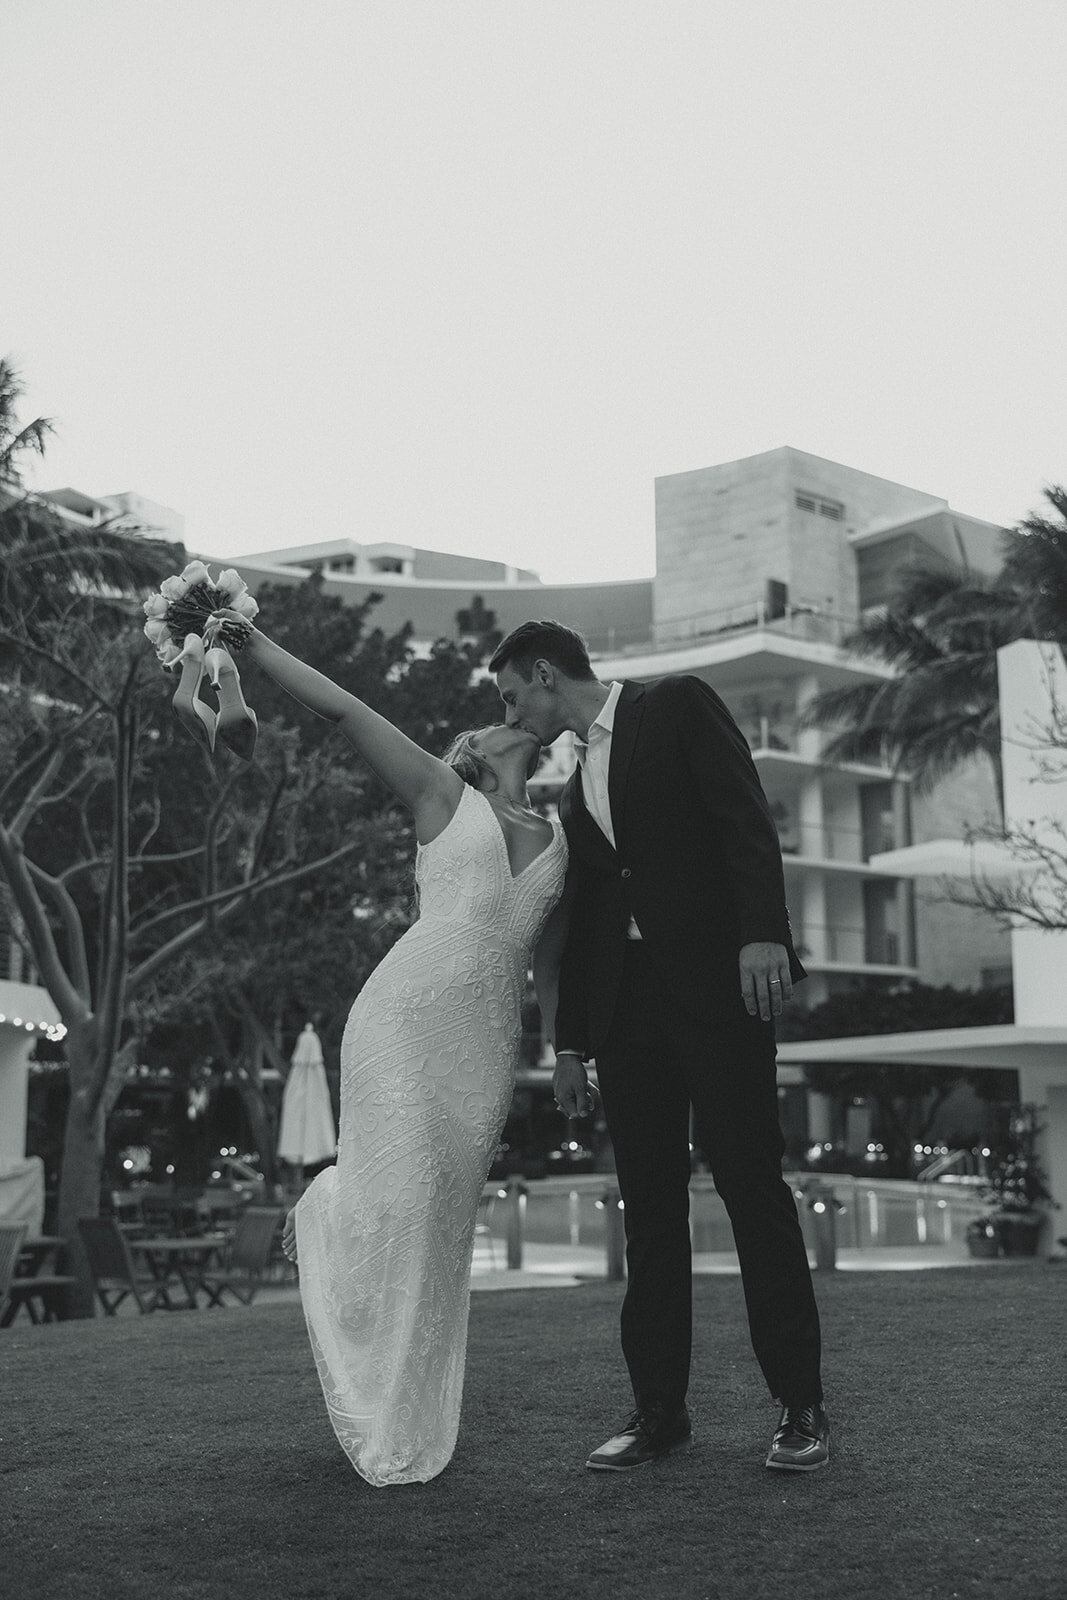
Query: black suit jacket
<point x="697" y="861"/>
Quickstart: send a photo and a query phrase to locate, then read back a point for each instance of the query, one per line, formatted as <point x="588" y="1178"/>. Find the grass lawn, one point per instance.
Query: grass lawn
<point x="190" y="1457"/>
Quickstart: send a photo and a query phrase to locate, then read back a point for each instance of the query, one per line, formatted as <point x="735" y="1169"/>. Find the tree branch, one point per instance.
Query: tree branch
<point x="237" y="894"/>
<point x="134" y="861"/>
<point x="254" y="1022"/>
<point x="23" y="769"/>
<point x="115" y="1080"/>
<point x="72" y="927"/>
<point x="264" y="832"/>
<point x="150" y="831"/>
<point x="66" y="792"/>
<point x="111" y="1000"/>
<point x="27" y="810"/>
<point x="46" y="957"/>
<point x="19" y="643"/>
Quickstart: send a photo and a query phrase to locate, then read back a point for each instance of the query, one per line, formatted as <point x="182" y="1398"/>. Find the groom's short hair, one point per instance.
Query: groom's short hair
<point x="543" y="641"/>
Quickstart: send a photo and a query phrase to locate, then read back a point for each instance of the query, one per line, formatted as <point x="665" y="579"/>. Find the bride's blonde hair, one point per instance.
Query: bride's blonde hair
<point x="464" y="756"/>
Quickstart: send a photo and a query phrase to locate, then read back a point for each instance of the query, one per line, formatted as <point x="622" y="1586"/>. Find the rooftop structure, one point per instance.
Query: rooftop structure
<point x="130" y="510"/>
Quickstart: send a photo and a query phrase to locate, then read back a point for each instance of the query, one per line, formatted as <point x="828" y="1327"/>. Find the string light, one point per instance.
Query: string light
<point x="51" y="1030"/>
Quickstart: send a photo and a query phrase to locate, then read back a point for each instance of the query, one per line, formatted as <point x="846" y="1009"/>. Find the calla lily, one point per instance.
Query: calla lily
<point x="196" y="572"/>
<point x="230" y="582"/>
<point x="156" y="630"/>
<point x="168" y="653"/>
<point x="246" y="606"/>
<point x="174" y="588"/>
<point x="155" y="606"/>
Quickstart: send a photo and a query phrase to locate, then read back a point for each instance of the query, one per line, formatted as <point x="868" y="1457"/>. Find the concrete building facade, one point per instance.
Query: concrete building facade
<point x="763" y="568"/>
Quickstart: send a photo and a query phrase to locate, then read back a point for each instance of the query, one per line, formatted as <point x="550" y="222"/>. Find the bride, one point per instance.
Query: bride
<point x="385" y="1238"/>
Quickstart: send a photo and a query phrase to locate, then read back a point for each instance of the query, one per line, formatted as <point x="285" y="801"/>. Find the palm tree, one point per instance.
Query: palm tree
<point x="49" y="566"/>
<point x="16" y="442"/>
<point x="941" y="632"/>
<point x="1036" y="568"/>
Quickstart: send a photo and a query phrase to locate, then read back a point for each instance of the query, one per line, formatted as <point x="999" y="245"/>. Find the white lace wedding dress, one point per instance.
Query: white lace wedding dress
<point x="385" y="1238"/>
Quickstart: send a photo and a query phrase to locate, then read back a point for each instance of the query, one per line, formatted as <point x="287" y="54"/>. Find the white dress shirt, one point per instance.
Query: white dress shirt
<point x="594" y="758"/>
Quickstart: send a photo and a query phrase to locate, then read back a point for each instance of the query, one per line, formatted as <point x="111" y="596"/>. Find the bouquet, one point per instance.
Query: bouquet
<point x="185" y="602"/>
<point x="177" y="625"/>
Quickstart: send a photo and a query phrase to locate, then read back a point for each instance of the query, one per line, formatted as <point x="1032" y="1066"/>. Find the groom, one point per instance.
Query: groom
<point x="677" y="958"/>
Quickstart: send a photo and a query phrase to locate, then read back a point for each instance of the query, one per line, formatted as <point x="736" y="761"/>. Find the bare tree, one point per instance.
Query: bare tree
<point x="98" y="782"/>
<point x="1033" y="893"/>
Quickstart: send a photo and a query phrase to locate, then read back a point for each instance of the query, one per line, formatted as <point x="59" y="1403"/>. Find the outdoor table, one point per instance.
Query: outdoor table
<point x="179" y="1261"/>
<point x="40" y="1291"/>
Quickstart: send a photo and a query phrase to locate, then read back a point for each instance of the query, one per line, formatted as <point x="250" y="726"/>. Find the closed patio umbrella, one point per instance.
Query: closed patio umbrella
<point x="307" y="1134"/>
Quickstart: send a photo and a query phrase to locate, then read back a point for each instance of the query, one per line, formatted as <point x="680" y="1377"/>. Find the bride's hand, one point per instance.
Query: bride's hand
<point x="229" y="628"/>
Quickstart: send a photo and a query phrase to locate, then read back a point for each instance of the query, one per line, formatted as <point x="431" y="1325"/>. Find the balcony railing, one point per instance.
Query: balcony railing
<point x="807" y="623"/>
<point x="829" y="842"/>
<point x="849" y="946"/>
<point x="770" y="733"/>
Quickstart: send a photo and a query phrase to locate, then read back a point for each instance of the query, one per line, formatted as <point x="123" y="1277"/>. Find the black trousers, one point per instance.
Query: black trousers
<point x="655" y="1063"/>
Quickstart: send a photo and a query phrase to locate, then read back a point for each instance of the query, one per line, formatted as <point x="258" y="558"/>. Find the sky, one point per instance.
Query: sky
<point x="471" y="275"/>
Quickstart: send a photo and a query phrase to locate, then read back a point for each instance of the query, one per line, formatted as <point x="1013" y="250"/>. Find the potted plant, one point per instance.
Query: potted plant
<point x="1017" y="1188"/>
<point x="983" y="1239"/>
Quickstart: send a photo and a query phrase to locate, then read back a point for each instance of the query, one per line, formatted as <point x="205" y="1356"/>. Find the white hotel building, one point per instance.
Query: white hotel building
<point x="763" y="566"/>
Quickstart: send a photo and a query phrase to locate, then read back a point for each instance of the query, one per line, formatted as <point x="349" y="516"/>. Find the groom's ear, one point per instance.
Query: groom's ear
<point x="544" y="674"/>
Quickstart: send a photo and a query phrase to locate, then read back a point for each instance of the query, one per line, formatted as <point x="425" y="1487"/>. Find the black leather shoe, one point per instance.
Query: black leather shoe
<point x="802" y="1440"/>
<point x="649" y="1435"/>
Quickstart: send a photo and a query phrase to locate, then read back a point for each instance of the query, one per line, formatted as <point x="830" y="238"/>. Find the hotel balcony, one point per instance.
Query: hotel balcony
<point x="801" y="634"/>
<point x="872" y="952"/>
<point x="806" y="623"/>
<point x="828" y="847"/>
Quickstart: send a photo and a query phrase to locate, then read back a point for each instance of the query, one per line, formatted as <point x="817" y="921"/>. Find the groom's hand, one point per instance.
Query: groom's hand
<point x="765" y="981"/>
<point x="570" y="1085"/>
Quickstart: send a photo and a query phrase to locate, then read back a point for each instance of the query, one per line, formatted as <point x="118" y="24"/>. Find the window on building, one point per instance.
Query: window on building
<point x="346" y="564"/>
<point x="881" y="922"/>
<point x="387" y="564"/>
<point x="878" y="819"/>
<point x="817" y="506"/>
<point x="775" y="599"/>
<point x="878" y="565"/>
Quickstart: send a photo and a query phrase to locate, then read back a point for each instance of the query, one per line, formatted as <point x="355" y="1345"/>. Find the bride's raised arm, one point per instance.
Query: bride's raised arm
<point x="421" y="781"/>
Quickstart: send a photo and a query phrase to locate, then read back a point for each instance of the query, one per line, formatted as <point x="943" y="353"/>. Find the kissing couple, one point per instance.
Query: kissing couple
<point x="653" y="913"/>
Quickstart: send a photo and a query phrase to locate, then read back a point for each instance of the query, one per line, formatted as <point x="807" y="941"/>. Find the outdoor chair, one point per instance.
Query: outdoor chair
<point x="111" y="1265"/>
<point x="40" y="1293"/>
<point x="247" y="1257"/>
<point x="166" y="1215"/>
<point x="125" y="1209"/>
<point x="11" y="1236"/>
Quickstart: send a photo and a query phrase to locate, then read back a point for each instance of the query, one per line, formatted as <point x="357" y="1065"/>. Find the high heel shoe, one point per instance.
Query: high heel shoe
<point x="197" y="717"/>
<point x="237" y="725"/>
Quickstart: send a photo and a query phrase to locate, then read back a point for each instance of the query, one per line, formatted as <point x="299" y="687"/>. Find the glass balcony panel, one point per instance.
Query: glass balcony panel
<point x="798" y="622"/>
<point x="848" y="946"/>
